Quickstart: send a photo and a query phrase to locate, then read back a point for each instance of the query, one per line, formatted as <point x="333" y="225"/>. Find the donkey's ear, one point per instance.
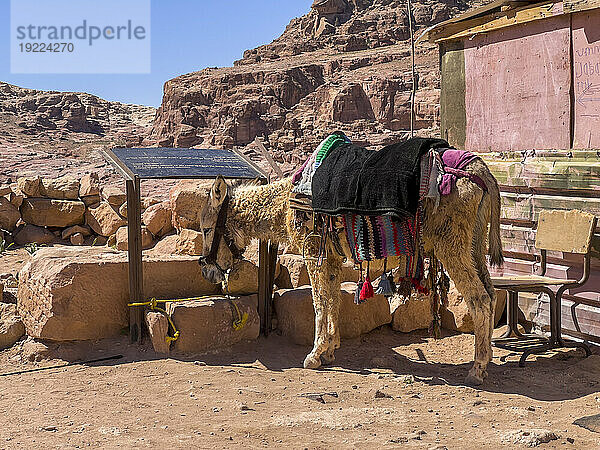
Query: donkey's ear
<point x="218" y="192"/>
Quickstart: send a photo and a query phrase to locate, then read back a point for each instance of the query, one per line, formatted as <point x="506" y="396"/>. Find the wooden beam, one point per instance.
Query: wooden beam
<point x="497" y="21"/>
<point x="571" y="6"/>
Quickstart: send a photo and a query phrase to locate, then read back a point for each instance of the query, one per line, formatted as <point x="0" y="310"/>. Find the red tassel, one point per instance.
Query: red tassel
<point x="422" y="289"/>
<point x="367" y="289"/>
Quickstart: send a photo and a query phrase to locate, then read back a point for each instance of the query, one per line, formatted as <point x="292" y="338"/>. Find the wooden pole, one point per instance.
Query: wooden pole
<point x="414" y="83"/>
<point x="136" y="275"/>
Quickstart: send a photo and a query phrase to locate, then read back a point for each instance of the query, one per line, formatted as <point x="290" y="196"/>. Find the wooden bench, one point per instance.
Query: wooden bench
<point x="561" y="231"/>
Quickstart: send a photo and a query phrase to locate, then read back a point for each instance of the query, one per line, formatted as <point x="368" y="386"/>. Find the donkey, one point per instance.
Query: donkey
<point x="455" y="231"/>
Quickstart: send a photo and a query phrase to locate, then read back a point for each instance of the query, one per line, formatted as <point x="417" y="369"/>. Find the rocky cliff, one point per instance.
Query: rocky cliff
<point x="59" y="114"/>
<point x="344" y="65"/>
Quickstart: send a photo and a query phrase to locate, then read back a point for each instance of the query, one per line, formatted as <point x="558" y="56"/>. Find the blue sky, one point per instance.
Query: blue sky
<point x="186" y="36"/>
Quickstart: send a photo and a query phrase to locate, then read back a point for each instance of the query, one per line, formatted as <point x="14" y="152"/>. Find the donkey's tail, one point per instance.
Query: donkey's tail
<point x="495" y="243"/>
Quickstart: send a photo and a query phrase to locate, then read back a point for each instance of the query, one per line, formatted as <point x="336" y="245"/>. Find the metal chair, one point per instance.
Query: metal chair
<point x="562" y="231"/>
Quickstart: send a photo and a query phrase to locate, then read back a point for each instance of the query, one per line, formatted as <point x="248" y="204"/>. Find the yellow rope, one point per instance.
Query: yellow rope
<point x="238" y="323"/>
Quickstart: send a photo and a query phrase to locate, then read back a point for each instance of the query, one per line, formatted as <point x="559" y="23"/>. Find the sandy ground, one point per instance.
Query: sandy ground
<point x="255" y="395"/>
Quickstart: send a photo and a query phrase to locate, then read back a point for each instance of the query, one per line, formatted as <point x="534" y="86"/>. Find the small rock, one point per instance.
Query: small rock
<point x="158" y="219"/>
<point x="123" y="238"/>
<point x="570" y="440"/>
<point x="11" y="327"/>
<point x="9" y="215"/>
<point x="77" y="239"/>
<point x="31" y="233"/>
<point x="63" y="188"/>
<point x="30" y="186"/>
<point x="189" y="242"/>
<point x="529" y="438"/>
<point x="158" y="326"/>
<point x="245" y="408"/>
<point x="49" y="428"/>
<point x="381" y="394"/>
<point x="104" y="220"/>
<point x="199" y="363"/>
<point x="89" y="185"/>
<point x="114" y="196"/>
<point x="68" y="232"/>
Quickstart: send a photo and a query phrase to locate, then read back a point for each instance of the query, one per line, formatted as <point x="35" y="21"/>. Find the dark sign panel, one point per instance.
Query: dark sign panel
<point x="182" y="163"/>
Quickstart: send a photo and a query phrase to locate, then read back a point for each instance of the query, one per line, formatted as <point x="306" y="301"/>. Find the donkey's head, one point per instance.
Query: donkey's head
<point x="219" y="250"/>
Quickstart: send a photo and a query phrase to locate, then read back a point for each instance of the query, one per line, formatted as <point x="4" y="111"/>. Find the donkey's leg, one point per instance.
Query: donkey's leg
<point x="325" y="282"/>
<point x="479" y="252"/>
<point x="465" y="277"/>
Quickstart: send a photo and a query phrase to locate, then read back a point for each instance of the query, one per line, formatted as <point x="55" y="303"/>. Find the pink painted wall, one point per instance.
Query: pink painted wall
<point x="586" y="78"/>
<point x="517" y="87"/>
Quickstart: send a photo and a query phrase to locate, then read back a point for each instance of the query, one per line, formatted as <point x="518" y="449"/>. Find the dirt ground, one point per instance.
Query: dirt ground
<point x="389" y="390"/>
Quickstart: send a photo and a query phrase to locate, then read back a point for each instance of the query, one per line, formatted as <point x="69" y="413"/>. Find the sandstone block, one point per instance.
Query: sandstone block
<point x="166" y="246"/>
<point x="293" y="267"/>
<point x="412" y="314"/>
<point x="11" y="326"/>
<point x="147" y="202"/>
<point x="104" y="220"/>
<point x="209" y="324"/>
<point x="16" y="199"/>
<point x="457" y="317"/>
<point x="91" y="200"/>
<point x="123" y="210"/>
<point x="158" y="219"/>
<point x="69" y="293"/>
<point x="46" y="212"/>
<point x="63" y="188"/>
<point x="68" y="232"/>
<point x="123" y="239"/>
<point x="114" y="196"/>
<point x="189" y="242"/>
<point x="9" y="215"/>
<point x="243" y="279"/>
<point x="158" y="327"/>
<point x="187" y="198"/>
<point x="30" y="186"/>
<point x="89" y="185"/>
<point x="31" y="233"/>
<point x="77" y="239"/>
<point x="296" y="317"/>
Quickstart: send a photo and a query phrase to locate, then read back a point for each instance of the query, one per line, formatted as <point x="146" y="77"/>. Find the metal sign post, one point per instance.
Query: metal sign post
<point x="136" y="164"/>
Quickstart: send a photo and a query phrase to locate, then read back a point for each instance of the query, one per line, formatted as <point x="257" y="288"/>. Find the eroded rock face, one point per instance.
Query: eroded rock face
<point x="310" y="81"/>
<point x="68" y="293"/>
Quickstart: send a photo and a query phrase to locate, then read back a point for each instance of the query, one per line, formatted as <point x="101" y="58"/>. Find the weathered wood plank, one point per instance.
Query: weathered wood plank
<point x="571" y="6"/>
<point x="452" y="96"/>
<point x="496" y="21"/>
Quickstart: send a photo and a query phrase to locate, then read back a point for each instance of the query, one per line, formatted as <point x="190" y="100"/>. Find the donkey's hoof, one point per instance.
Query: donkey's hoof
<point x="312" y="363"/>
<point x="472" y="380"/>
<point x="476" y="376"/>
<point x="328" y="358"/>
